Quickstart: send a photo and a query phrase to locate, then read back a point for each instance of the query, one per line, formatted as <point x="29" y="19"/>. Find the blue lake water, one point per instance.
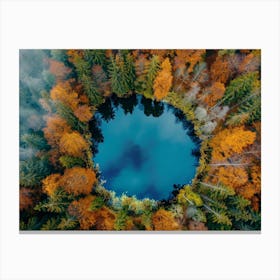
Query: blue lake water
<point x="146" y="149"/>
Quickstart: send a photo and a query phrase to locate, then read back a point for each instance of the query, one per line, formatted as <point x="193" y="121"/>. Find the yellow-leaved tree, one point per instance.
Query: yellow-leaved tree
<point x="73" y="144"/>
<point x="163" y="80"/>
<point x="231" y="141"/>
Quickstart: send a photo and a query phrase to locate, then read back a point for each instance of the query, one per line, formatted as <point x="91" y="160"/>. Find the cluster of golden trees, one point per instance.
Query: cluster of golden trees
<point x="217" y="90"/>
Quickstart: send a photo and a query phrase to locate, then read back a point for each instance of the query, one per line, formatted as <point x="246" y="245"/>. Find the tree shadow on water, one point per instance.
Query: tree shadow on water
<point x="151" y="107"/>
<point x="128" y="103"/>
<point x="187" y="125"/>
<point x="96" y="133"/>
<point x="106" y="110"/>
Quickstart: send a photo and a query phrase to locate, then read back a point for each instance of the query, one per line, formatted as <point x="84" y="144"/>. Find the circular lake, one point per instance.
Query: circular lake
<point x="143" y="147"/>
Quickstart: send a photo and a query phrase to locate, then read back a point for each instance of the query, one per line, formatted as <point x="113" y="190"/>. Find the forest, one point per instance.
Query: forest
<point x="61" y="91"/>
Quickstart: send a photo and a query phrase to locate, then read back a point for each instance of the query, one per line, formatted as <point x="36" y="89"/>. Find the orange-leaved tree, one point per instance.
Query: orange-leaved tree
<point x="58" y="69"/>
<point x="163" y="80"/>
<point x="55" y="128"/>
<point x="51" y="183"/>
<point x="217" y="91"/>
<point x="78" y="180"/>
<point x="81" y="210"/>
<point x="164" y="220"/>
<point x="188" y="57"/>
<point x="83" y="113"/>
<point x="253" y="187"/>
<point x="99" y="219"/>
<point x="231" y="141"/>
<point x="230" y="176"/>
<point x="220" y="70"/>
<point x="25" y="198"/>
<point x="73" y="144"/>
<point x="63" y="92"/>
<point x="105" y="219"/>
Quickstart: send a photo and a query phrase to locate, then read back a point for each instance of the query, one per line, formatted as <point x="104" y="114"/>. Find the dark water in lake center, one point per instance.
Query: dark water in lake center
<point x="146" y="147"/>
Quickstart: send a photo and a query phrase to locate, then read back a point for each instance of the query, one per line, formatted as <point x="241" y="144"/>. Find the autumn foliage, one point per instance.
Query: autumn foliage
<point x="78" y="180"/>
<point x="216" y="92"/>
<point x="58" y="69"/>
<point x="220" y="70"/>
<point x="81" y="210"/>
<point x="230" y="176"/>
<point x="163" y="81"/>
<point x="100" y="219"/>
<point x="72" y="143"/>
<point x="231" y="141"/>
<point x="55" y="128"/>
<point x="64" y="93"/>
<point x="25" y="198"/>
<point x="188" y="58"/>
<point x="164" y="220"/>
<point x="51" y="184"/>
<point x="83" y="113"/>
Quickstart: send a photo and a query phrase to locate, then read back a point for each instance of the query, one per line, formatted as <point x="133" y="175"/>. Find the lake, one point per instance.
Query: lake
<point x="142" y="147"/>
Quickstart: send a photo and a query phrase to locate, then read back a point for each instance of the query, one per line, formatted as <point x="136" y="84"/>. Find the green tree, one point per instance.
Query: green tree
<point x="67" y="223"/>
<point x="153" y="69"/>
<point x="247" y="113"/>
<point x="91" y="90"/>
<point x="69" y="161"/>
<point x="96" y="57"/>
<point x="130" y="71"/>
<point x="240" y="88"/>
<point x="56" y="203"/>
<point x="122" y="217"/>
<point x="35" y="140"/>
<point x="66" y="113"/>
<point x="33" y="170"/>
<point x="122" y="73"/>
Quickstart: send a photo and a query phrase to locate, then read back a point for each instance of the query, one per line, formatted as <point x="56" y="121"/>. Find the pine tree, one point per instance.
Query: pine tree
<point x="152" y="72"/>
<point x="119" y="76"/>
<point x="240" y="88"/>
<point x="51" y="224"/>
<point x="91" y="90"/>
<point x="121" y="220"/>
<point x="35" y="140"/>
<point x="67" y="223"/>
<point x="247" y="113"/>
<point x="130" y="71"/>
<point x="69" y="161"/>
<point x="96" y="57"/>
<point x="67" y="114"/>
<point x="56" y="203"/>
<point x="33" y="170"/>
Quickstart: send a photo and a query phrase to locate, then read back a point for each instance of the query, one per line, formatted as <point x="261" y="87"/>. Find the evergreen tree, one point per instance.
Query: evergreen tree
<point x="130" y="71"/>
<point x="67" y="114"/>
<point x="240" y="88"/>
<point x="96" y="57"/>
<point x="122" y="73"/>
<point x="91" y="90"/>
<point x="69" y="161"/>
<point x="35" y="140"/>
<point x="56" y="203"/>
<point x="153" y="69"/>
<point x="32" y="171"/>
<point x="247" y="113"/>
